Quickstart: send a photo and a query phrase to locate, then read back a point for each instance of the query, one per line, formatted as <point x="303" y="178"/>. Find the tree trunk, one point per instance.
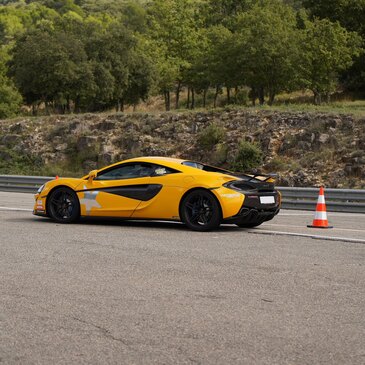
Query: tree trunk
<point x="235" y="94"/>
<point x="261" y="96"/>
<point x="253" y="95"/>
<point x="216" y="96"/>
<point x="68" y="105"/>
<point x="271" y="98"/>
<point x="47" y="107"/>
<point x="228" y="95"/>
<point x="205" y="97"/>
<point x="328" y="98"/>
<point x="117" y="106"/>
<point x="188" y="99"/>
<point x="317" y="98"/>
<point x="77" y="104"/>
<point x="178" y="89"/>
<point x="192" y="98"/>
<point x="167" y="100"/>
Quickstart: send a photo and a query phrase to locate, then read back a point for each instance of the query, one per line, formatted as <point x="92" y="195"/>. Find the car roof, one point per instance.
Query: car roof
<point x="155" y="159"/>
<point x="175" y="163"/>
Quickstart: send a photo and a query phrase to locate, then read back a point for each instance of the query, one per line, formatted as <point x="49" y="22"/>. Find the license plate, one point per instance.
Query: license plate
<point x="267" y="200"/>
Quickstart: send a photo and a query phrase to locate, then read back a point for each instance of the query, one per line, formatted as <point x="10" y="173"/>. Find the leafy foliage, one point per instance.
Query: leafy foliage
<point x="93" y="55"/>
<point x="210" y="136"/>
<point x="248" y="156"/>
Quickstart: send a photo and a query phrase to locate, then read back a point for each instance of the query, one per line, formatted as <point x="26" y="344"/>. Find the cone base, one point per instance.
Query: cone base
<point x="323" y="227"/>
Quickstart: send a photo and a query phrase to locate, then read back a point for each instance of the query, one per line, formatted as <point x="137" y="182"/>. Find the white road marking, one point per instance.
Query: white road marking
<point x="318" y="237"/>
<point x="334" y="228"/>
<point x="262" y="231"/>
<point x="335" y="214"/>
<point x="16" y="209"/>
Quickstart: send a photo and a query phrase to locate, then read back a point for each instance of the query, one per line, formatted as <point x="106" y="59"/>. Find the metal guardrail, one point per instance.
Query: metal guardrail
<point x="22" y="184"/>
<point x="337" y="200"/>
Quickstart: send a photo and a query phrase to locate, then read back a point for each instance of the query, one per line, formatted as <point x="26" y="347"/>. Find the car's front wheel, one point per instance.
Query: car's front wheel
<point x="200" y="211"/>
<point x="63" y="205"/>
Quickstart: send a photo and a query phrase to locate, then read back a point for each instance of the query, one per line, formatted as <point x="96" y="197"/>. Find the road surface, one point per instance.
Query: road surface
<point x="111" y="292"/>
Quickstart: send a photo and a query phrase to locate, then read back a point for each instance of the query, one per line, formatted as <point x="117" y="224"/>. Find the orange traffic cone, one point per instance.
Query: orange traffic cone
<point x="320" y="216"/>
<point x="56" y="177"/>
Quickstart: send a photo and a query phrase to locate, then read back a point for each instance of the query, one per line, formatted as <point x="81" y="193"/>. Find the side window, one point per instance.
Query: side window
<point x="128" y="171"/>
<point x="162" y="170"/>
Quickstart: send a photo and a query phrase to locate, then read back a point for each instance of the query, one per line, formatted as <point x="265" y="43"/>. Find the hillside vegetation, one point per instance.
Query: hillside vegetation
<point x="305" y="149"/>
<point x="77" y="56"/>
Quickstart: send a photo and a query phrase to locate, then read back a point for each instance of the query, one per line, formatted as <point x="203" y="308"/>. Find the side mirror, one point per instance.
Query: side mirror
<point x="92" y="175"/>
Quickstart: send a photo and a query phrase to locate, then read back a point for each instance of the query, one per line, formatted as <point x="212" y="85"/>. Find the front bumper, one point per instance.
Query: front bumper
<point x="40" y="205"/>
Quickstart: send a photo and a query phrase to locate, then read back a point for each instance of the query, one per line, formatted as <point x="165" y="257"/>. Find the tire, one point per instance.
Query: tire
<point x="63" y="205"/>
<point x="200" y="211"/>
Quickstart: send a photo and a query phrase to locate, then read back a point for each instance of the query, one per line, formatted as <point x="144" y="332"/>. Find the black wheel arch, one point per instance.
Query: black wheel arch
<point x="55" y="188"/>
<point x="205" y="189"/>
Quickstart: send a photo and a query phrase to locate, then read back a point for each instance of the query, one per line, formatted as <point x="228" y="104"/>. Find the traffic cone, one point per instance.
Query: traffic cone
<point x="320" y="216"/>
<point x="56" y="177"/>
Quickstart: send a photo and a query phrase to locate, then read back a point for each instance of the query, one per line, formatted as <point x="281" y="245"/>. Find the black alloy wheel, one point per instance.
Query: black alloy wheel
<point x="63" y="205"/>
<point x="200" y="211"/>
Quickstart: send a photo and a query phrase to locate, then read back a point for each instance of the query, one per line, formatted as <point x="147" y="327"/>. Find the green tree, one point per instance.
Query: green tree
<point x="267" y="48"/>
<point x="327" y="49"/>
<point x="221" y="61"/>
<point x="10" y="98"/>
<point x="47" y="65"/>
<point x="173" y="27"/>
<point x="224" y="12"/>
<point x="350" y="14"/>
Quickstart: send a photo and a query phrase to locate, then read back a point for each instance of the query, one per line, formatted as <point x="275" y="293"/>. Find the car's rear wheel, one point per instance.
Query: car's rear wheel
<point x="63" y="205"/>
<point x="200" y="211"/>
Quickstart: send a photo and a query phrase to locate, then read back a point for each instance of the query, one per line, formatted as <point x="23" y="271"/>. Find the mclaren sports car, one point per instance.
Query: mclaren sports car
<point x="159" y="188"/>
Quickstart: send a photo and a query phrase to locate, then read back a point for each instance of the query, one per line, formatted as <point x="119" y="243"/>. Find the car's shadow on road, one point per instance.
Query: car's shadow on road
<point x="117" y="222"/>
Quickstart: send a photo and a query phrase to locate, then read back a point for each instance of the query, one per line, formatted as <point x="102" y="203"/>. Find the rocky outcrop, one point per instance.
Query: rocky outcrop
<point x="306" y="149"/>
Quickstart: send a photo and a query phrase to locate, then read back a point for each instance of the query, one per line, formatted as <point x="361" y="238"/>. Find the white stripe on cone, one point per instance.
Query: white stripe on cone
<point x="321" y="199"/>
<point x="320" y="215"/>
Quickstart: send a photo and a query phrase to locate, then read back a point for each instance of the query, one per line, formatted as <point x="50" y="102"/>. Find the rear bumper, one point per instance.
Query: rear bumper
<point x="253" y="215"/>
<point x="253" y="211"/>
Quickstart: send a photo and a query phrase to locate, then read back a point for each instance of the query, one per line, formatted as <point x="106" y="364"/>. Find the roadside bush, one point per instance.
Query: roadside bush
<point x="211" y="135"/>
<point x="277" y="164"/>
<point x="10" y="99"/>
<point x="249" y="155"/>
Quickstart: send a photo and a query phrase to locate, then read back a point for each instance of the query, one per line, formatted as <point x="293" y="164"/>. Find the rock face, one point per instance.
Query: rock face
<point x="305" y="149"/>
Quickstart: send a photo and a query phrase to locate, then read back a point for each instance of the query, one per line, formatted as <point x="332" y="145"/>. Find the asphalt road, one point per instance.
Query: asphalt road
<point x="112" y="292"/>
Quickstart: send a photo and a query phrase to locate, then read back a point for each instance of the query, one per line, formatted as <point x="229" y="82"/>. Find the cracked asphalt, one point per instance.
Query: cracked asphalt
<point x="111" y="292"/>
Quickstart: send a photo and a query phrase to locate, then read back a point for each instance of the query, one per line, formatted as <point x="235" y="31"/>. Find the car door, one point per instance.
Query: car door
<point x="117" y="191"/>
<point x="165" y="204"/>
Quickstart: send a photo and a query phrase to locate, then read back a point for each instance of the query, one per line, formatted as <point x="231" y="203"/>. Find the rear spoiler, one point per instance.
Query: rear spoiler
<point x="255" y="174"/>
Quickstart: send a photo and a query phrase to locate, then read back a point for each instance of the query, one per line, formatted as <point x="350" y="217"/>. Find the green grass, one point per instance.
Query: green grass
<point x="355" y="108"/>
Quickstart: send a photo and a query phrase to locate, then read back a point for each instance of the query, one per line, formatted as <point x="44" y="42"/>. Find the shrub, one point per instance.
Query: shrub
<point x="249" y="155"/>
<point x="211" y="135"/>
<point x="277" y="164"/>
<point x="10" y="99"/>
